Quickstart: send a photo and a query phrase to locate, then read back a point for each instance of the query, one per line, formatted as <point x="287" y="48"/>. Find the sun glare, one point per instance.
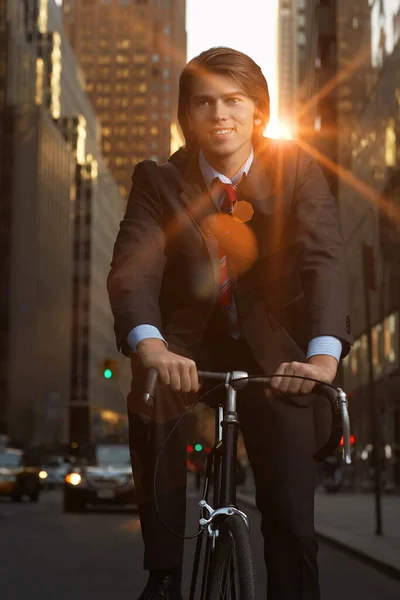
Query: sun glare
<point x="278" y="130"/>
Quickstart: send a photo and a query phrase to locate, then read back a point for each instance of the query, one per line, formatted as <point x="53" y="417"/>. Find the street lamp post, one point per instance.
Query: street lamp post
<point x="369" y="284"/>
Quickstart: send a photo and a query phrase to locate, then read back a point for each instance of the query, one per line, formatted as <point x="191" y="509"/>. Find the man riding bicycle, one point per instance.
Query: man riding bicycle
<point x="230" y="256"/>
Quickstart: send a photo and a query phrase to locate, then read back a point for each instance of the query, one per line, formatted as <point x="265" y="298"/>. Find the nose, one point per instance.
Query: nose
<point x="220" y="112"/>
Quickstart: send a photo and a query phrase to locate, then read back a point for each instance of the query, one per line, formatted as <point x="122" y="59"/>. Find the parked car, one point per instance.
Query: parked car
<point x="102" y="476"/>
<point x="17" y="479"/>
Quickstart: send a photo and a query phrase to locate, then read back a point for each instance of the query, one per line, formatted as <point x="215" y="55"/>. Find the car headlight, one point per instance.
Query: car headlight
<point x="73" y="478"/>
<point x="43" y="474"/>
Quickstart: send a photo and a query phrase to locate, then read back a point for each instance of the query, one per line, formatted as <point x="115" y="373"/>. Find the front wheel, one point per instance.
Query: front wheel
<point x="232" y="572"/>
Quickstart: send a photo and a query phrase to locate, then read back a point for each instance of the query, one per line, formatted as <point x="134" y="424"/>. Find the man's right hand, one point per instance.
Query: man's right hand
<point x="174" y="370"/>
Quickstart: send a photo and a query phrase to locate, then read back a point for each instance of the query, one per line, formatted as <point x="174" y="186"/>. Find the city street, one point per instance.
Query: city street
<point x="97" y="556"/>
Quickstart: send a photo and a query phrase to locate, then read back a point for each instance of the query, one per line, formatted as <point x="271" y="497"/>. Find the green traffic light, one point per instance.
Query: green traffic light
<point x="107" y="373"/>
<point x="198" y="447"/>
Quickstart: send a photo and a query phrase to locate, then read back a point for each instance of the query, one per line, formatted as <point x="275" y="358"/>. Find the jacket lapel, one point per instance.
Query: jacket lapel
<point x="196" y="198"/>
<point x="263" y="178"/>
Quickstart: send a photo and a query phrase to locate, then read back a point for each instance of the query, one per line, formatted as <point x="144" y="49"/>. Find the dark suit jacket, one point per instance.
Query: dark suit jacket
<point x="165" y="267"/>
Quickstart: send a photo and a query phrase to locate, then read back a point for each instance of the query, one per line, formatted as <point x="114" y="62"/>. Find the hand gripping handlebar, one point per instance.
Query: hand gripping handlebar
<point x="337" y="399"/>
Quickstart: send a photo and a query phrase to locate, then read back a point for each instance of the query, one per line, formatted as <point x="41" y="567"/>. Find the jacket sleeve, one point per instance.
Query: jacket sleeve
<point x="138" y="260"/>
<point x="321" y="255"/>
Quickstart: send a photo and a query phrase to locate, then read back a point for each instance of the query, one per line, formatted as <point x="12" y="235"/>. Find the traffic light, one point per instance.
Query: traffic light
<point x="109" y="368"/>
<point x="352" y="440"/>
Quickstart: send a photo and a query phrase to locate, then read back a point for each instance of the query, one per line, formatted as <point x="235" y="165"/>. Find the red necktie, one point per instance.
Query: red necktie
<point x="225" y="290"/>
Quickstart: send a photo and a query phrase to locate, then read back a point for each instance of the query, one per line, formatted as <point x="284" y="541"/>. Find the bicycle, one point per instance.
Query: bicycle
<point x="228" y="564"/>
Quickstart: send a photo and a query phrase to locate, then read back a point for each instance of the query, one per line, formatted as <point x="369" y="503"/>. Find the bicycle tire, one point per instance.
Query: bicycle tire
<point x="232" y="572"/>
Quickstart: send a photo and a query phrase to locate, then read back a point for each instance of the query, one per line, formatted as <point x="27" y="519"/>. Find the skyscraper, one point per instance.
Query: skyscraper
<point x="60" y="209"/>
<point x="131" y="52"/>
<point x="288" y="63"/>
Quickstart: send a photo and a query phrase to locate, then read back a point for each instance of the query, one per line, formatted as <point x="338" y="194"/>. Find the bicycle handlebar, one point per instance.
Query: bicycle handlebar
<point x="336" y="397"/>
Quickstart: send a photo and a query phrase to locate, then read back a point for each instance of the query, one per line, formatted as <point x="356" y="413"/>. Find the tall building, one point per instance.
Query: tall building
<point x="288" y="64"/>
<point x="132" y="52"/>
<point x="355" y="66"/>
<point x="56" y="323"/>
<point x="370" y="207"/>
<point x="35" y="255"/>
<point x="317" y="111"/>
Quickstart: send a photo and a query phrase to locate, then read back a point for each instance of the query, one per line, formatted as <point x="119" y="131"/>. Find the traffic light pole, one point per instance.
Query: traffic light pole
<point x="369" y="284"/>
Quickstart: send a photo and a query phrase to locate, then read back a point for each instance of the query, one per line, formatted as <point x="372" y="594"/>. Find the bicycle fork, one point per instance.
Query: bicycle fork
<point x="222" y="455"/>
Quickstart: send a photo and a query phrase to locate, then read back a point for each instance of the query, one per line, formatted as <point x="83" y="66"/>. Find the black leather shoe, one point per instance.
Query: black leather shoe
<point x="168" y="588"/>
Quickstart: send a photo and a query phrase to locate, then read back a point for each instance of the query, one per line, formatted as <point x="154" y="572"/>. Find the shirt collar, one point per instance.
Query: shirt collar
<point x="209" y="173"/>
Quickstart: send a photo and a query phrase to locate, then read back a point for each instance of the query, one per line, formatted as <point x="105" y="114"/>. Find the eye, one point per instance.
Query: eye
<point x="202" y="102"/>
<point x="233" y="100"/>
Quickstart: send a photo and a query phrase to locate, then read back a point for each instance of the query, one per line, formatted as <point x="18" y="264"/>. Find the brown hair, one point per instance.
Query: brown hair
<point x="232" y="63"/>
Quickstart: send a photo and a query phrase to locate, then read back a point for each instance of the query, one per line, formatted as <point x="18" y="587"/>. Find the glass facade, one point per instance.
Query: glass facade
<point x="385" y="354"/>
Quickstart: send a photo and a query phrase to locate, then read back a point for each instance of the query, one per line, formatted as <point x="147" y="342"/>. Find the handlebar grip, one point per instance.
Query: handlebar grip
<point x="150" y="386"/>
<point x="326" y="391"/>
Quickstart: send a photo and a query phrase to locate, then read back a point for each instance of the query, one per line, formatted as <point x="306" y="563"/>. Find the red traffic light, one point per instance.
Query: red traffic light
<point x="189" y="449"/>
<point x="352" y="440"/>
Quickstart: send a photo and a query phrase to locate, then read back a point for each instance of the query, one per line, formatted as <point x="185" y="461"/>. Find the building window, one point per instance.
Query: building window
<point x="138" y="27"/>
<point x="139" y="58"/>
<point x="103" y="101"/>
<point x="104" y="72"/>
<point x="390" y="144"/>
<point x="154" y="130"/>
<point x="122" y="73"/>
<point x="123" y="44"/>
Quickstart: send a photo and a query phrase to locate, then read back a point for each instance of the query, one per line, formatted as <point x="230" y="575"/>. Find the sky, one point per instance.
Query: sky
<point x="246" y="25"/>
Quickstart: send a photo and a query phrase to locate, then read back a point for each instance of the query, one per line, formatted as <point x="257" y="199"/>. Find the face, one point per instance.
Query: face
<point x="221" y="117"/>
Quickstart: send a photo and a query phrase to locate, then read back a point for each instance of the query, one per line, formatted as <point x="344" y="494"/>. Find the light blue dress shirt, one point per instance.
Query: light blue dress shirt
<point x="322" y="344"/>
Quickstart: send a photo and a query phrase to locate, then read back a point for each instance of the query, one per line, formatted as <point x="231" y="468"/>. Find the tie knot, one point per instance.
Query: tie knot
<point x="230" y="197"/>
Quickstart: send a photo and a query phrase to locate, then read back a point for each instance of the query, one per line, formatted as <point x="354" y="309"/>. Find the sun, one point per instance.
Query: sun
<point x="278" y="130"/>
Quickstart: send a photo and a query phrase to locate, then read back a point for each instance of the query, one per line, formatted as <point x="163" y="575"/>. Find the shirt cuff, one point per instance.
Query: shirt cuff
<point x="325" y="344"/>
<point x="142" y="332"/>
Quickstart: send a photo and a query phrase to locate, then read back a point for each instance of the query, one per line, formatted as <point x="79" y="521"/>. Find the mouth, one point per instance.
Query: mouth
<point x="221" y="131"/>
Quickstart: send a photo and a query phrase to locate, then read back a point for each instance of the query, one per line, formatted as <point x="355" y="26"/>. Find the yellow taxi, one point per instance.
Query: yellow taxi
<point x="16" y="479"/>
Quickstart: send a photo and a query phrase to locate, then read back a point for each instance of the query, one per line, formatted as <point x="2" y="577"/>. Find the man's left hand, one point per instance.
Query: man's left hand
<point x="321" y="366"/>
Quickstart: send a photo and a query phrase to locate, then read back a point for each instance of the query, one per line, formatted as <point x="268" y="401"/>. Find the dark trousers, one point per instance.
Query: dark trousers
<point x="280" y="442"/>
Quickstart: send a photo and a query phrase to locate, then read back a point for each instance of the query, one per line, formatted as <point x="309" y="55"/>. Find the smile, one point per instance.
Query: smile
<point x="221" y="131"/>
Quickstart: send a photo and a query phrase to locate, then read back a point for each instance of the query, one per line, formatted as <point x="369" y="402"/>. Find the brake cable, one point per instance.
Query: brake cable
<point x="185" y="414"/>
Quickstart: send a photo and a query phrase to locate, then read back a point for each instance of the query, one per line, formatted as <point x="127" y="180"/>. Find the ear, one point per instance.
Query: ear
<point x="257" y="121"/>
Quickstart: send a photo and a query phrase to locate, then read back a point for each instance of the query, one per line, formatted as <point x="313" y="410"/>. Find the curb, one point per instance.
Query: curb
<point x="339" y="545"/>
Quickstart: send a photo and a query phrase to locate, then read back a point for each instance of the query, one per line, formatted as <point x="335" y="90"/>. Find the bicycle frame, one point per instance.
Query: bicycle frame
<point x="223" y="458"/>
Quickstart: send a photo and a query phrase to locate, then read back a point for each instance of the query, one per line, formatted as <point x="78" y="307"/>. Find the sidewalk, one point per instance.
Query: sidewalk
<point x="348" y="521"/>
